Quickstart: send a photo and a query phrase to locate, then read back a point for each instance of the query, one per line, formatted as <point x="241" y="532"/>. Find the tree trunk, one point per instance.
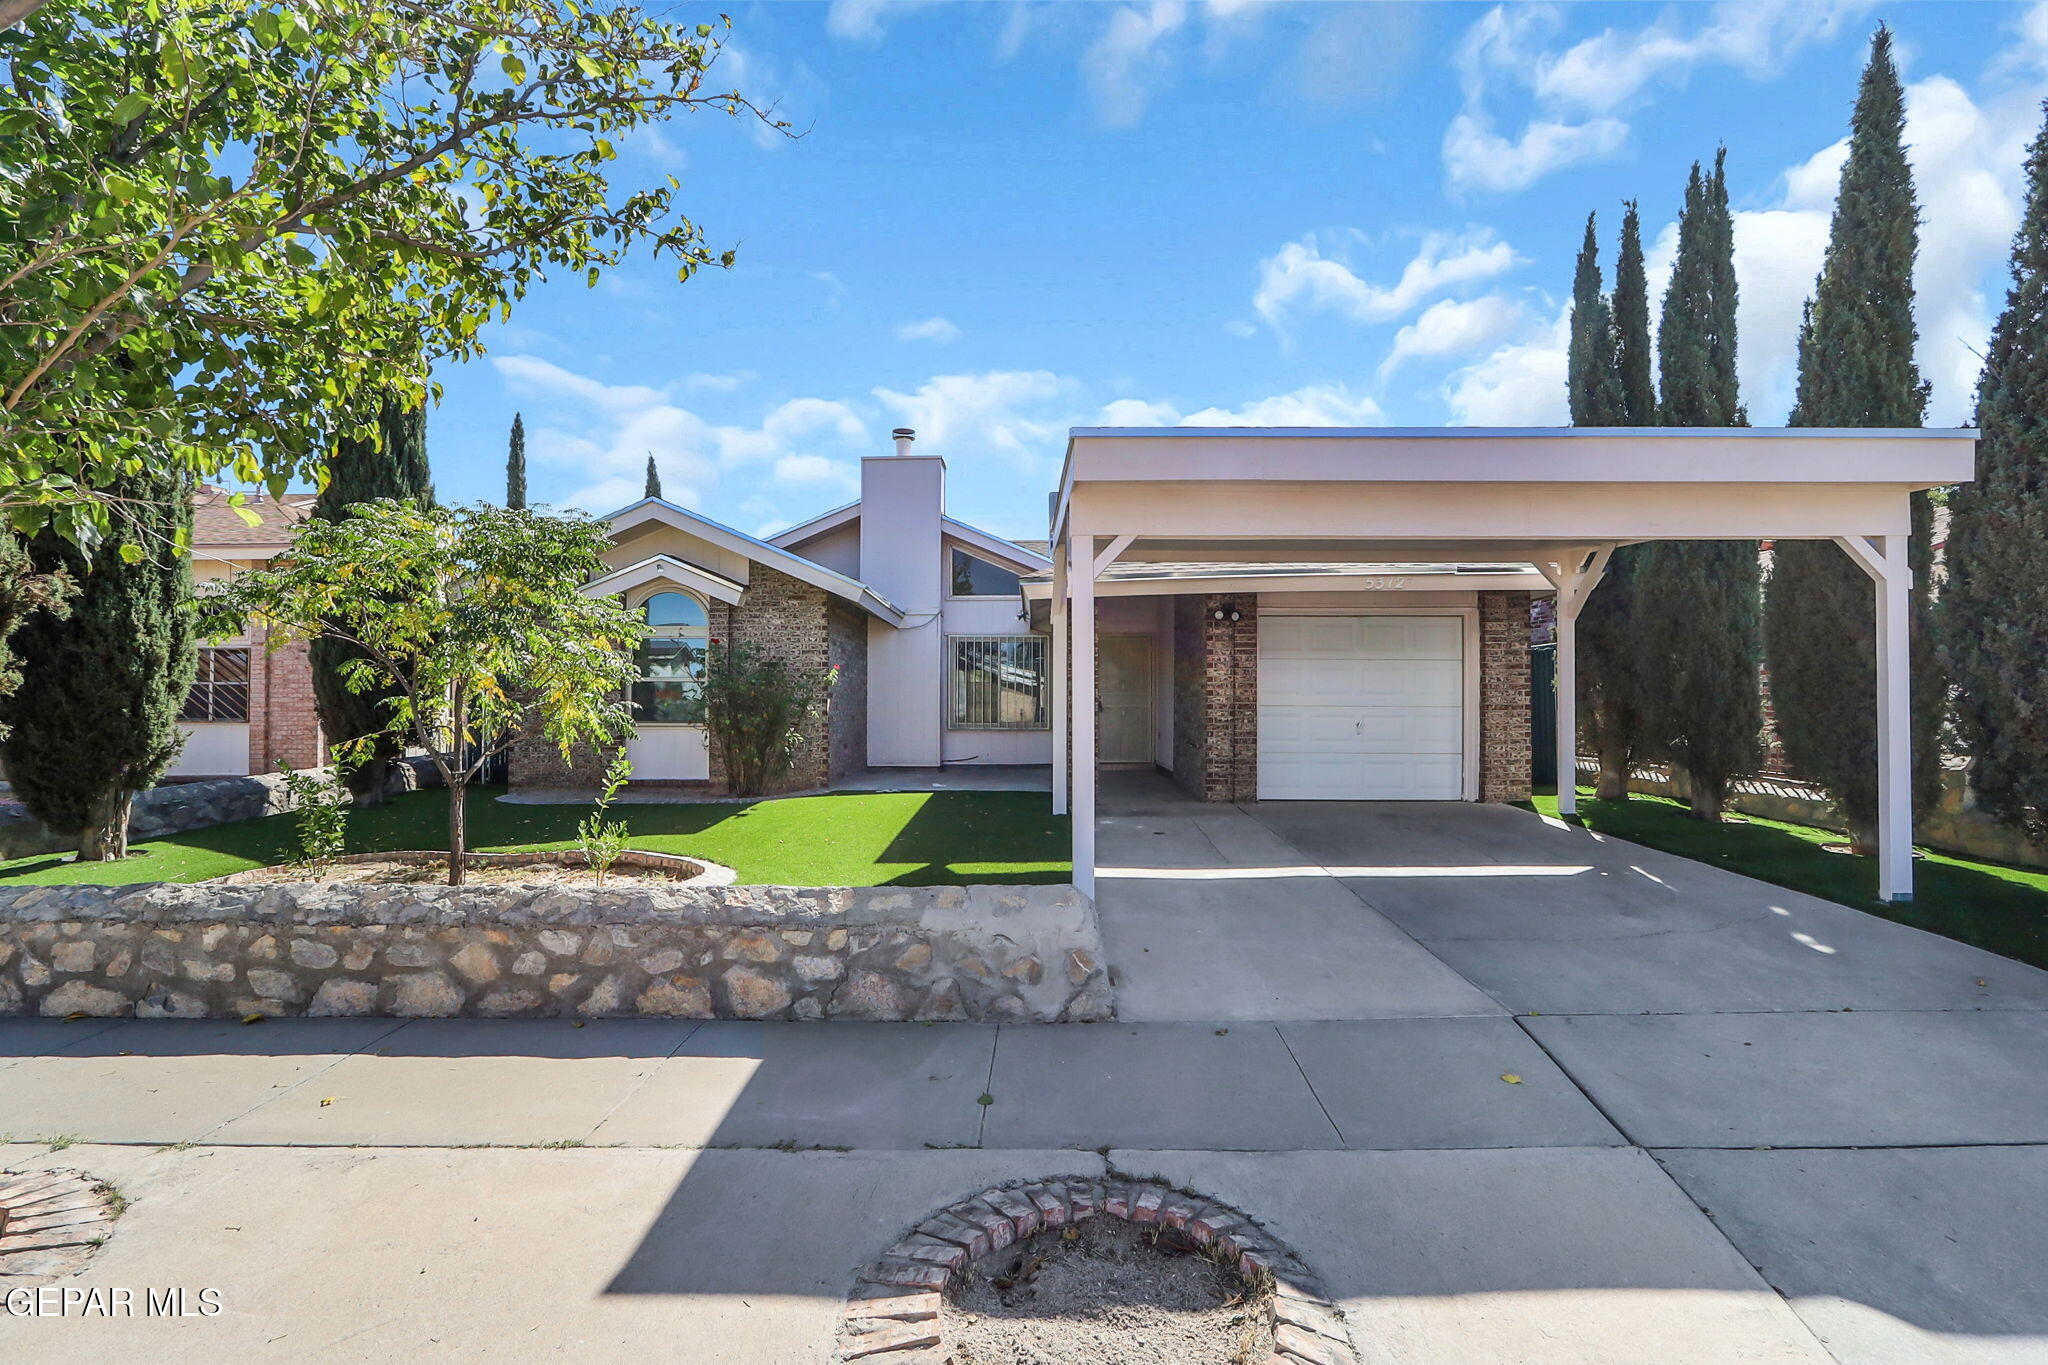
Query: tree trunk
<point x="105" y="838"/>
<point x="1612" y="782"/>
<point x="458" y="834"/>
<point x="1862" y="834"/>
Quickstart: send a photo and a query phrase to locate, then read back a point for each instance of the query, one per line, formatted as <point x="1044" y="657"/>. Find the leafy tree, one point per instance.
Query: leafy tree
<point x="475" y="614"/>
<point x="1994" y="608"/>
<point x="1699" y="603"/>
<point x="515" y="467"/>
<point x="653" y="478"/>
<point x="755" y="707"/>
<point x="1856" y="369"/>
<point x="95" y="719"/>
<point x="391" y="463"/>
<point x="1609" y="339"/>
<point x="224" y="220"/>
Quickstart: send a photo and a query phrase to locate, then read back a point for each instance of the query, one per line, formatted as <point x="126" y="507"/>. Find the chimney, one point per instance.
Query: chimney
<point x="903" y="557"/>
<point x="903" y="437"/>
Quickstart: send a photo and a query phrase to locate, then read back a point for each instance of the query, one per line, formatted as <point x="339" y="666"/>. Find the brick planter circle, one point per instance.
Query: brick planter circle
<point x="684" y="871"/>
<point x="893" y="1315"/>
<point x="51" y="1222"/>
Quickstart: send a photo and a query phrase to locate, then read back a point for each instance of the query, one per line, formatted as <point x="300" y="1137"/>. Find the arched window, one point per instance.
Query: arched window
<point x="670" y="688"/>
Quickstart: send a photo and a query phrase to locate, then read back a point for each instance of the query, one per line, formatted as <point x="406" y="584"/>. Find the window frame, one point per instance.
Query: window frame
<point x="208" y="689"/>
<point x="952" y="596"/>
<point x="682" y="635"/>
<point x="958" y="703"/>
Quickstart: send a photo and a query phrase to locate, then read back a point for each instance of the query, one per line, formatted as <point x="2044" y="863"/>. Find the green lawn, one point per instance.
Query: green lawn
<point x="852" y="839"/>
<point x="2003" y="909"/>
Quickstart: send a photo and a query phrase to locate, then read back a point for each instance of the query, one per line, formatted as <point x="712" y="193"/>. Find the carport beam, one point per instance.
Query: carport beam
<point x="1060" y="690"/>
<point x="1574" y="585"/>
<point x="1081" y="628"/>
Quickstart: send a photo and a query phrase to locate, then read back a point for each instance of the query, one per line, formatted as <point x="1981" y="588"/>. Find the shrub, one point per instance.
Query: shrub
<point x="755" y="709"/>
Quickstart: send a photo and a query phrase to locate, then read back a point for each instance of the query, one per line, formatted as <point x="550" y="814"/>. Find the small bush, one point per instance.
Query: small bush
<point x="601" y="840"/>
<point x="755" y="707"/>
<point x="321" y="801"/>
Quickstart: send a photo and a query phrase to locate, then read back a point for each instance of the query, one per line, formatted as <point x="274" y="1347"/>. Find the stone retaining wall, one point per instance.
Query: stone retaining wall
<point x="1027" y="954"/>
<point x="178" y="806"/>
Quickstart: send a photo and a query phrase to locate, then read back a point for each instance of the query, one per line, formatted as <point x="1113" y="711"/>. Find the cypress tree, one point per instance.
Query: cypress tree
<point x="1632" y="325"/>
<point x="23" y="592"/>
<point x="1610" y="683"/>
<point x="1856" y="369"/>
<point x="653" y="477"/>
<point x="1994" y="608"/>
<point x="515" y="467"/>
<point x="359" y="470"/>
<point x="1595" y="385"/>
<point x="95" y="719"/>
<point x="1699" y="602"/>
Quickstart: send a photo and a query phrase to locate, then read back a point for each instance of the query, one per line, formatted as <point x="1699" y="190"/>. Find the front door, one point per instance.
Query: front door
<point x="1125" y="693"/>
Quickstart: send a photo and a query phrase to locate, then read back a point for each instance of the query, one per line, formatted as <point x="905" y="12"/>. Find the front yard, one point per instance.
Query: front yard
<point x="850" y="839"/>
<point x="1988" y="905"/>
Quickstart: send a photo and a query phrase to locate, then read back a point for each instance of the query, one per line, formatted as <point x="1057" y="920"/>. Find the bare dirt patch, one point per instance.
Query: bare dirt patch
<point x="532" y="874"/>
<point x="1106" y="1292"/>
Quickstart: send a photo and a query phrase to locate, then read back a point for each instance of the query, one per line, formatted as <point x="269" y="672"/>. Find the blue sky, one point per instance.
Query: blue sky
<point x="1004" y="220"/>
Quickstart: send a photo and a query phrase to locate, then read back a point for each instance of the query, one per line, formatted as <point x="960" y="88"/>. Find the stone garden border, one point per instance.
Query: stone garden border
<point x="51" y="1222"/>
<point x="684" y="871"/>
<point x="893" y="1315"/>
<point x="1009" y="954"/>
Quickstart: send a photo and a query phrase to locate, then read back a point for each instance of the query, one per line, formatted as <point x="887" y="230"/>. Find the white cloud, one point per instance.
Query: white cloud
<point x="602" y="434"/>
<point x="1578" y="91"/>
<point x="1452" y="327"/>
<point x="861" y="20"/>
<point x="928" y="329"/>
<point x="1519" y="385"/>
<point x="1300" y="277"/>
<point x="1316" y="405"/>
<point x="1020" y="414"/>
<point x="1125" y="62"/>
<point x="1477" y="157"/>
<point x="718" y="383"/>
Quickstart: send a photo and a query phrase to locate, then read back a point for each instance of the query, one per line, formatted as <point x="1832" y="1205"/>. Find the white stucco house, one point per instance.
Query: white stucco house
<point x="1263" y="613"/>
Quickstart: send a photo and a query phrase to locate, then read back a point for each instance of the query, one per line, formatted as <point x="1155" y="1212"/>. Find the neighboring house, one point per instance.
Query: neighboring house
<point x="251" y="709"/>
<point x="921" y="615"/>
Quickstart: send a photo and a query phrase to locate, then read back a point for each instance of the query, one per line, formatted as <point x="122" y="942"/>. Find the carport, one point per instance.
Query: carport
<point x="1558" y="499"/>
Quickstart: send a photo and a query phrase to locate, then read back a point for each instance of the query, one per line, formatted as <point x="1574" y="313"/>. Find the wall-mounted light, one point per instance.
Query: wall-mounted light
<point x="1228" y="611"/>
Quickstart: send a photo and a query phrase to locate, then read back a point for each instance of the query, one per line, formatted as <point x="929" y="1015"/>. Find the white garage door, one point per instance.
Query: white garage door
<point x="1362" y="708"/>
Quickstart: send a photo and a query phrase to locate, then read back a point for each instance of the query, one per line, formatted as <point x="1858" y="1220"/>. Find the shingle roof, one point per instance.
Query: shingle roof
<point x="216" y="523"/>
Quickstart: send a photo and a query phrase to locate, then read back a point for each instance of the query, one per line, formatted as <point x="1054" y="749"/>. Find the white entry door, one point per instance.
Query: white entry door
<point x="1362" y="708"/>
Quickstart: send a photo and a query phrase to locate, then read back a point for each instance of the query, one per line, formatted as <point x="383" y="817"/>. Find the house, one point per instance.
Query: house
<point x="251" y="708"/>
<point x="921" y="614"/>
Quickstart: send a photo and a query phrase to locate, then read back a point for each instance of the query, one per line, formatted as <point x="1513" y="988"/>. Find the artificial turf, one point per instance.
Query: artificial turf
<point x="1992" y="906"/>
<point x="844" y="839"/>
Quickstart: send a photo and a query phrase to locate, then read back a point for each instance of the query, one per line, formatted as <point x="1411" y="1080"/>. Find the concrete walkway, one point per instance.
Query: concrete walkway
<point x="1518" y="1093"/>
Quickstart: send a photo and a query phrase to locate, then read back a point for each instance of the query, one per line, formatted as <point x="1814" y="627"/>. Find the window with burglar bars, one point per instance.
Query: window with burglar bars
<point x="220" y="689"/>
<point x="999" y="683"/>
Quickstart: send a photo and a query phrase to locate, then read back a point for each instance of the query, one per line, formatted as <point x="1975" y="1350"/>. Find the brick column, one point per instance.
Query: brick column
<point x="1230" y="700"/>
<point x="1504" y="721"/>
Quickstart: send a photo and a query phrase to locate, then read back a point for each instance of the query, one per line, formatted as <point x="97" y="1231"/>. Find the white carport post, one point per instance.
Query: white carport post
<point x="1884" y="559"/>
<point x="1060" y="653"/>
<point x="1575" y="576"/>
<point x="1081" y="640"/>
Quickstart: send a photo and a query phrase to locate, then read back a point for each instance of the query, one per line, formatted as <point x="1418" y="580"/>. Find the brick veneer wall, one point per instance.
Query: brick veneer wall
<point x="846" y="644"/>
<point x="1504" y="721"/>
<point x="284" y="724"/>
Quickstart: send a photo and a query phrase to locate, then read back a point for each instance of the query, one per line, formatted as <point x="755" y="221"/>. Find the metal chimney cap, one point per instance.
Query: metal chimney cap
<point x="904" y="434"/>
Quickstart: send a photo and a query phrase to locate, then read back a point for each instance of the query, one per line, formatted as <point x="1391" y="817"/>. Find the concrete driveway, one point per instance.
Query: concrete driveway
<point x="1518" y="1093"/>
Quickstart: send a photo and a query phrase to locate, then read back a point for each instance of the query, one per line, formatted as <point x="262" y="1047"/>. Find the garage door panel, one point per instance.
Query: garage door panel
<point x="1361" y="707"/>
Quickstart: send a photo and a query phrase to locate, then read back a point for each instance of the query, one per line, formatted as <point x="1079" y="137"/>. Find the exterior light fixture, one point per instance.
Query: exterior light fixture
<point x="1228" y="612"/>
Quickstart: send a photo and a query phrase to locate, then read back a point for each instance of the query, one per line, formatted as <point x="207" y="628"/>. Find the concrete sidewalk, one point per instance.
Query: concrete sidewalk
<point x="1516" y="1092"/>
